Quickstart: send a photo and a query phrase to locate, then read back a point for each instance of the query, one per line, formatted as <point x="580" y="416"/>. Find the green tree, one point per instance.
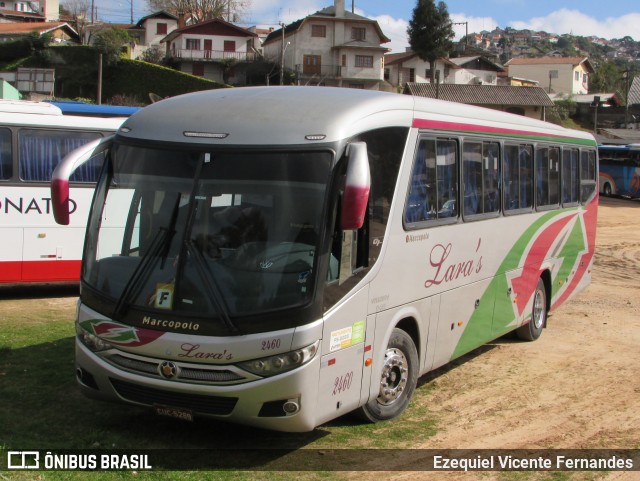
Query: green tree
<point x="606" y="78"/>
<point x="110" y="42"/>
<point x="430" y="32"/>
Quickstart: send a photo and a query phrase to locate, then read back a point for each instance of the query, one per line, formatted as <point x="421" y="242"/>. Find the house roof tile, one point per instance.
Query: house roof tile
<point x="482" y="94"/>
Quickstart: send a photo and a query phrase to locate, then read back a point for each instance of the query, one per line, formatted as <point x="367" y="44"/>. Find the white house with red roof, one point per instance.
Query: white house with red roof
<point x="569" y="75"/>
<point x="214" y="49"/>
<point x="332" y="47"/>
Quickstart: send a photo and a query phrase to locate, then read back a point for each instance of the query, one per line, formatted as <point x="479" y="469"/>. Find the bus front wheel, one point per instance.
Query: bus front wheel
<point x="532" y="330"/>
<point x="397" y="381"/>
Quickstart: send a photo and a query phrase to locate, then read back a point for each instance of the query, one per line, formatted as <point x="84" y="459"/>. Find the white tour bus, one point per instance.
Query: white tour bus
<point x="281" y="256"/>
<point x="34" y="137"/>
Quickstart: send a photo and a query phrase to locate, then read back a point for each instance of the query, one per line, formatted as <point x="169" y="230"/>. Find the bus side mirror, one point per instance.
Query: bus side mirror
<point x="63" y="172"/>
<point x="357" y="187"/>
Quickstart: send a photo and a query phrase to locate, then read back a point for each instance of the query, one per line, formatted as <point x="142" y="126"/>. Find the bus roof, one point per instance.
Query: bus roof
<point x="304" y="115"/>
<point x="91" y="110"/>
<point x="61" y="122"/>
<point x="29" y="107"/>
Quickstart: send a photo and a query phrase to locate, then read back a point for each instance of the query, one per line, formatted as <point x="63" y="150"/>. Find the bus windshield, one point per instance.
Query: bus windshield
<point x="215" y="235"/>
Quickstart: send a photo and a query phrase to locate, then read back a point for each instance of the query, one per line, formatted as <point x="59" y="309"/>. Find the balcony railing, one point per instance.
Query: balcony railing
<point x="213" y="55"/>
<point x="319" y="71"/>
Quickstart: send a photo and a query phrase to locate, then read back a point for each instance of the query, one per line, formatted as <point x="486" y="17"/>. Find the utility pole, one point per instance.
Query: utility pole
<point x="282" y="56"/>
<point x="466" y="30"/>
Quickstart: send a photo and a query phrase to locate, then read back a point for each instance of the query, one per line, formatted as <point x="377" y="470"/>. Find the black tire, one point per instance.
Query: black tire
<point x="532" y="329"/>
<point x="606" y="190"/>
<point x="398" y="379"/>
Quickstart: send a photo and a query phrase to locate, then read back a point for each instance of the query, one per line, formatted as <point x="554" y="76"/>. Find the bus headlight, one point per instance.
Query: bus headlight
<point x="279" y="363"/>
<point x="90" y="340"/>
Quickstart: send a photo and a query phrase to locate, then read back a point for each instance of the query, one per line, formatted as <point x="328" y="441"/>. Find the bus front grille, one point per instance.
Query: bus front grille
<point x="186" y="373"/>
<point x="198" y="403"/>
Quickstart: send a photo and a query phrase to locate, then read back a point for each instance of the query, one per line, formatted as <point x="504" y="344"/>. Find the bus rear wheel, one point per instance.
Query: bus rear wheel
<point x="397" y="381"/>
<point x="533" y="329"/>
<point x="607" y="189"/>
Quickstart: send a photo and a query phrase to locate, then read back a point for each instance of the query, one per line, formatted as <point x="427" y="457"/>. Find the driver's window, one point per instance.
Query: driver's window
<point x="354" y="252"/>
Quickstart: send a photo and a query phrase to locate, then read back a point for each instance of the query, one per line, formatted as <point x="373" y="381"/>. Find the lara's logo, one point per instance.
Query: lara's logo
<point x="447" y="271"/>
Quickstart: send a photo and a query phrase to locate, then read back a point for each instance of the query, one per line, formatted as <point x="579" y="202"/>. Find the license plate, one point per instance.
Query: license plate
<point x="173" y="412"/>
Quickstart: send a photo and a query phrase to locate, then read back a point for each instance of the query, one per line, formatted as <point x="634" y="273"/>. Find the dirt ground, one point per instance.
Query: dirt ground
<point x="578" y="386"/>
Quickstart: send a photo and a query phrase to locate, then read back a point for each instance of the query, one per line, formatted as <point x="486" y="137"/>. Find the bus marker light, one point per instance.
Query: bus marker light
<point x="331" y="362"/>
<point x="367" y="348"/>
<point x="460" y="323"/>
<point x="368" y="362"/>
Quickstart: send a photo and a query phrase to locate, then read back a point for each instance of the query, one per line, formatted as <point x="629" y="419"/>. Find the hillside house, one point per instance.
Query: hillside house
<point x="331" y="47"/>
<point x="568" y="75"/>
<point x="29" y="11"/>
<point x="214" y="49"/>
<point x="405" y="67"/>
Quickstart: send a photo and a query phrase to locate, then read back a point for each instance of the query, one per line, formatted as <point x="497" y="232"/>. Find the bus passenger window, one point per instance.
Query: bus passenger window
<point x="480" y="178"/>
<point x="40" y="151"/>
<point x="518" y="177"/>
<point x="587" y="175"/>
<point x="570" y="185"/>
<point x="547" y="176"/>
<point x="433" y="191"/>
<point x="6" y="163"/>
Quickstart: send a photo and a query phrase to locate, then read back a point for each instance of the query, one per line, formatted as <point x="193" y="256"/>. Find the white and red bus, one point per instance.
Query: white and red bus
<point x="279" y="257"/>
<point x="34" y="137"/>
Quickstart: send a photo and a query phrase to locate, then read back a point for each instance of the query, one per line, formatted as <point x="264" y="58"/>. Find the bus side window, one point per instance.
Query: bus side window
<point x="518" y="177"/>
<point x="587" y="175"/>
<point x="480" y="174"/>
<point x="40" y="151"/>
<point x="433" y="189"/>
<point x="547" y="176"/>
<point x="354" y="252"/>
<point x="570" y="184"/>
<point x="6" y="161"/>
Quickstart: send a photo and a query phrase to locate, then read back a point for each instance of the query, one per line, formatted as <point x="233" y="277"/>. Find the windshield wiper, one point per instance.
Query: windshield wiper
<point x="160" y="244"/>
<point x="211" y="286"/>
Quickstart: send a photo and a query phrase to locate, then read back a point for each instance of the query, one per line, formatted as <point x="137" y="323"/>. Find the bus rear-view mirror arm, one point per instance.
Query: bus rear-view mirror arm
<point x="357" y="187"/>
<point x="64" y="170"/>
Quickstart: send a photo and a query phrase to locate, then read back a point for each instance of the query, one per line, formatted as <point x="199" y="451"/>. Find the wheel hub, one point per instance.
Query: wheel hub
<point x="394" y="376"/>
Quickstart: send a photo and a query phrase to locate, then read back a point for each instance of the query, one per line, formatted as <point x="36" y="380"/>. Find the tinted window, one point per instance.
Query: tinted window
<point x="480" y="177"/>
<point x="6" y="164"/>
<point x="518" y="177"/>
<point x="40" y="151"/>
<point x="433" y="191"/>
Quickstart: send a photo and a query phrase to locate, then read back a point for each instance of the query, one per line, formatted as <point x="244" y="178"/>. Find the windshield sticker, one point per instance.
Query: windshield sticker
<point x="164" y="296"/>
<point x="347" y="336"/>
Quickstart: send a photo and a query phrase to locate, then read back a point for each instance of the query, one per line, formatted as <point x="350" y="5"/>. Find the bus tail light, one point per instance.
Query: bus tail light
<point x="274" y="365"/>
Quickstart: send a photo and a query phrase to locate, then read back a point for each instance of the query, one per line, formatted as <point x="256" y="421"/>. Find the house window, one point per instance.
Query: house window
<point x="193" y="44"/>
<point x="577" y="76"/>
<point x="364" y="61"/>
<point x="344" y="60"/>
<point x="161" y="28"/>
<point x="387" y="74"/>
<point x="318" y="31"/>
<point x="412" y="75"/>
<point x="358" y="33"/>
<point x="229" y="46"/>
